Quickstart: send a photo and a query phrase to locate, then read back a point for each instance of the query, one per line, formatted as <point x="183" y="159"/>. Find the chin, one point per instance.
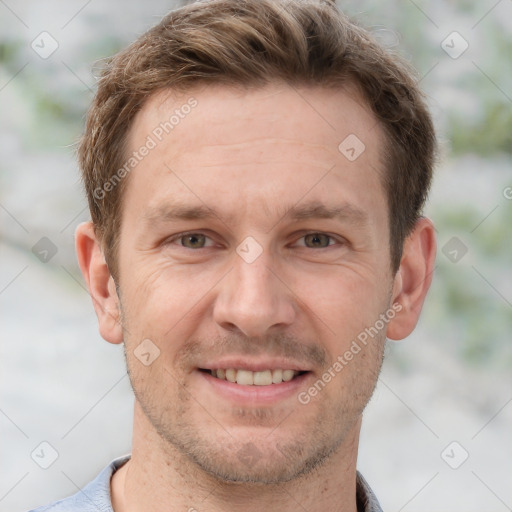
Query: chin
<point x="257" y="463"/>
<point x="237" y="472"/>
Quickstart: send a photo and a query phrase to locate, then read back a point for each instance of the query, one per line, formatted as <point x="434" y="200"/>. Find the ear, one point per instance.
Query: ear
<point x="413" y="278"/>
<point x="100" y="283"/>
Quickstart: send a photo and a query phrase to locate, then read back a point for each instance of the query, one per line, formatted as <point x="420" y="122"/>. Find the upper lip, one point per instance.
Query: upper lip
<point x="254" y="365"/>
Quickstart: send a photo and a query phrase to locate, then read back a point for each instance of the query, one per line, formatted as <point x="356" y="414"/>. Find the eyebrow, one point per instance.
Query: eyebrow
<point x="178" y="211"/>
<point x="318" y="210"/>
<point x="311" y="210"/>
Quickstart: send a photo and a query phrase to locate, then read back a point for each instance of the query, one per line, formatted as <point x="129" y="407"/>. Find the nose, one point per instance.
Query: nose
<point x="253" y="299"/>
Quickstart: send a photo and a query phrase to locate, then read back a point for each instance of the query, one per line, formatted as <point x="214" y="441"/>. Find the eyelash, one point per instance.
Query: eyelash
<point x="182" y="235"/>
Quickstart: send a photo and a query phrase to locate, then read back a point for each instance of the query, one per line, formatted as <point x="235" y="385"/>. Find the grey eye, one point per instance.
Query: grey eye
<point x="315" y="240"/>
<point x="193" y="241"/>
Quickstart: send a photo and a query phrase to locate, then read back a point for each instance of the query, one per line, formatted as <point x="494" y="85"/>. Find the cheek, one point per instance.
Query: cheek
<point x="347" y="298"/>
<point x="165" y="301"/>
<point x="139" y="289"/>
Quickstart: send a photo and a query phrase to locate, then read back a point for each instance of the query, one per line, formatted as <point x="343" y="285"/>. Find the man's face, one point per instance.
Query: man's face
<point x="249" y="241"/>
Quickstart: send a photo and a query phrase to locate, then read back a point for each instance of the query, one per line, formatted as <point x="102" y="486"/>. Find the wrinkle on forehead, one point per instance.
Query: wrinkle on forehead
<point x="276" y="106"/>
<point x="257" y="151"/>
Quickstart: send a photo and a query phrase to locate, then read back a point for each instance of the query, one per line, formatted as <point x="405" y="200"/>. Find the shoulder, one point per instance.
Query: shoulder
<point x="94" y="497"/>
<point x="366" y="499"/>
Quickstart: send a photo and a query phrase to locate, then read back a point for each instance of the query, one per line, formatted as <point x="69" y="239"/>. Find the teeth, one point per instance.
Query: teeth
<point x="262" y="378"/>
<point x="288" y="375"/>
<point x="248" y="378"/>
<point x="245" y="377"/>
<point x="277" y="376"/>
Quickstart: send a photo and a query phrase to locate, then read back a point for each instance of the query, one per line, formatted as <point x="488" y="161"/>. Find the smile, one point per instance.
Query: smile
<point x="259" y="378"/>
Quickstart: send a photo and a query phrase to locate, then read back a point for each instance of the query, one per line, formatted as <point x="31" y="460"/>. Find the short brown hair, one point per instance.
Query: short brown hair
<point x="252" y="43"/>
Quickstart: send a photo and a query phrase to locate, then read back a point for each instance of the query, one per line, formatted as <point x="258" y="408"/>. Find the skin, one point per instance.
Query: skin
<point x="251" y="156"/>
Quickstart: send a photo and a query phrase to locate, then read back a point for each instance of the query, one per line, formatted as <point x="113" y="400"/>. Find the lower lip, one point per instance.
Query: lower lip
<point x="255" y="395"/>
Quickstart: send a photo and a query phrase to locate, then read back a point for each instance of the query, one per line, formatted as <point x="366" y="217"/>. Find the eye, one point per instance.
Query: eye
<point x="193" y="240"/>
<point x="317" y="240"/>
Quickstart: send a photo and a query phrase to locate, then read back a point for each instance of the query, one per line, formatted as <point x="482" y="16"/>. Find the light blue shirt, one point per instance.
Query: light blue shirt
<point x="95" y="496"/>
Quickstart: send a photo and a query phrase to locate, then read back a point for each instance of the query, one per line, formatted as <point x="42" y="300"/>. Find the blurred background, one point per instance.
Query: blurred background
<point x="437" y="434"/>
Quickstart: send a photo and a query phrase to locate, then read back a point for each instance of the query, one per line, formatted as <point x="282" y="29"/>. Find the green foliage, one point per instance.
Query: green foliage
<point x="472" y="316"/>
<point x="490" y="134"/>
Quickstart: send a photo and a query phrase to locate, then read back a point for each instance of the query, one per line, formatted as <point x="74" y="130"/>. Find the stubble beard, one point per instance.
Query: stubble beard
<point x="274" y="458"/>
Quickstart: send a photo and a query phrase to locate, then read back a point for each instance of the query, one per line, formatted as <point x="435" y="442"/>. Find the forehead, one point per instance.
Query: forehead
<point x="265" y="143"/>
<point x="315" y="116"/>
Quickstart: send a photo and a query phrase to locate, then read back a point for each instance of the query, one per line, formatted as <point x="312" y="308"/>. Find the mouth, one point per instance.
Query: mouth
<point x="259" y="386"/>
<point x="249" y="378"/>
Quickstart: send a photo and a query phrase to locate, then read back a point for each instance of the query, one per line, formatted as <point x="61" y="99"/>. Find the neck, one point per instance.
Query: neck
<point x="159" y="475"/>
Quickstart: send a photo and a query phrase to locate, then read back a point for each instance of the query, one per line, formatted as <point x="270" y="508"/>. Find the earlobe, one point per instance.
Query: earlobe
<point x="413" y="278"/>
<point x="99" y="282"/>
